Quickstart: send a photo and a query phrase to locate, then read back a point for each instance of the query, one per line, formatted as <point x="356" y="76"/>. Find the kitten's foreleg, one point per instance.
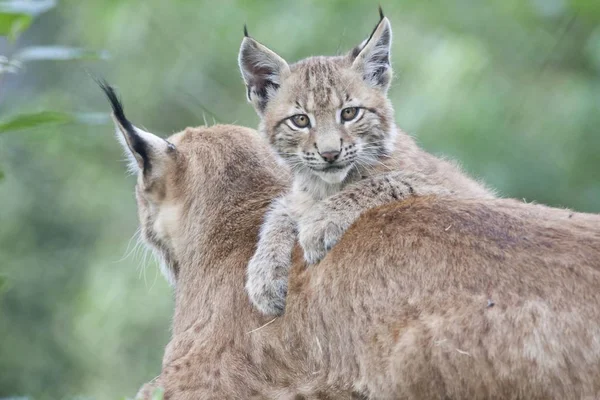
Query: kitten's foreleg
<point x="324" y="224"/>
<point x="268" y="270"/>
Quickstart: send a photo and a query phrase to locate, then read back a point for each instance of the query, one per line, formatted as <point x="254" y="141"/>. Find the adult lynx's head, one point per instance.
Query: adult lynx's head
<point x="324" y="115"/>
<point x="192" y="184"/>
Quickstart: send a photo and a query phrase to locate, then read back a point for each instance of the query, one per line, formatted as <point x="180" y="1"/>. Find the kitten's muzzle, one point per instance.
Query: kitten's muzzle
<point x="329" y="167"/>
<point x="330" y="156"/>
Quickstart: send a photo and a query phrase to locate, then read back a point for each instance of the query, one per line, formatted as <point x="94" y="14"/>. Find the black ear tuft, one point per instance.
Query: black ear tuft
<point x="132" y="138"/>
<point x="246" y="31"/>
<point x="115" y="104"/>
<point x="381" y="16"/>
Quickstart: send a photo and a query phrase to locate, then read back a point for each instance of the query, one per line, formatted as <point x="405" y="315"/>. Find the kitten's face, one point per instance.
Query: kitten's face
<point x="324" y="115"/>
<point x="326" y="120"/>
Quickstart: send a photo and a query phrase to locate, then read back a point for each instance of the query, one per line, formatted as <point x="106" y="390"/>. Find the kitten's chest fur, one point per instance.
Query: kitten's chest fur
<point x="309" y="190"/>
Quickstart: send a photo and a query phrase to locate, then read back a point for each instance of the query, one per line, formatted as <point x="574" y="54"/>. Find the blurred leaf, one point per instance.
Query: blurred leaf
<point x="12" y="25"/>
<point x="16" y="15"/>
<point x="33" y="8"/>
<point x="2" y="283"/>
<point x="58" y="53"/>
<point x="32" y="120"/>
<point x="1" y="175"/>
<point x="9" y="66"/>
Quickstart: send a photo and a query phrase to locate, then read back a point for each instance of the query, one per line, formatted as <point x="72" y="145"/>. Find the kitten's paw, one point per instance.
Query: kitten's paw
<point x="266" y="291"/>
<point x="268" y="297"/>
<point x="318" y="237"/>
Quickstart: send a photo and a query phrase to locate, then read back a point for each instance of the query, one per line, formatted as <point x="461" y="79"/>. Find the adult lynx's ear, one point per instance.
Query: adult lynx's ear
<point x="372" y="57"/>
<point x="262" y="70"/>
<point x="147" y="153"/>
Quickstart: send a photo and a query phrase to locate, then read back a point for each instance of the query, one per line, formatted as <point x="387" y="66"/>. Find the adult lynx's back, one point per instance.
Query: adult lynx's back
<point x="426" y="298"/>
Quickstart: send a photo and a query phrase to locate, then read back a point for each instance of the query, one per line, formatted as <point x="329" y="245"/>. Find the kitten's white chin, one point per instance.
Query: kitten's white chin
<point x="333" y="177"/>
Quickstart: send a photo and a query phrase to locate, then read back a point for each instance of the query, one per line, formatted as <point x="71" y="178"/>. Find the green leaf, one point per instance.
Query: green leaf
<point x="33" y="8"/>
<point x="58" y="53"/>
<point x="33" y="120"/>
<point x="12" y="25"/>
<point x="2" y="283"/>
<point x="17" y="15"/>
<point x="1" y="175"/>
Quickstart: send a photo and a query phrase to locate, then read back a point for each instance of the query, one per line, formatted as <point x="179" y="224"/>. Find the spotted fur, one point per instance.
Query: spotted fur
<point x="341" y="167"/>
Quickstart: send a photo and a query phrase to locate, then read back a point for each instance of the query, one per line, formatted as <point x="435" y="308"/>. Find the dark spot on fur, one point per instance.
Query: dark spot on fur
<point x="352" y="197"/>
<point x="359" y="396"/>
<point x="221" y="351"/>
<point x="410" y="188"/>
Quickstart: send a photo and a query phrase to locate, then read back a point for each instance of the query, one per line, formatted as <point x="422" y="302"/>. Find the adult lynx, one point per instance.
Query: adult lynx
<point x="474" y="299"/>
<point x="330" y="120"/>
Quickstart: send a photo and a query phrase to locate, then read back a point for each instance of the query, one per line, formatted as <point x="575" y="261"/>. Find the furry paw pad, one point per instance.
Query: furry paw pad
<point x="318" y="238"/>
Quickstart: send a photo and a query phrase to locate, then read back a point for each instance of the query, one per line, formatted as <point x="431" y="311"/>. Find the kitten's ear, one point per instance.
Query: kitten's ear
<point x="262" y="70"/>
<point x="372" y="57"/>
<point x="147" y="153"/>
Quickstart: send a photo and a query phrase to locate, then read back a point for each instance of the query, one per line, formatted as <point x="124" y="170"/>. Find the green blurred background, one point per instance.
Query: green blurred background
<point x="510" y="88"/>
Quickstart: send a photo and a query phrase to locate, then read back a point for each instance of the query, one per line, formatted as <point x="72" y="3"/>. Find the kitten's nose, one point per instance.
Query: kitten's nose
<point x="330" y="156"/>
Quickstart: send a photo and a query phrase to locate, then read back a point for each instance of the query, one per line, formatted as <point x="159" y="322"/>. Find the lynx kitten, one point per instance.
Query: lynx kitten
<point x="330" y="120"/>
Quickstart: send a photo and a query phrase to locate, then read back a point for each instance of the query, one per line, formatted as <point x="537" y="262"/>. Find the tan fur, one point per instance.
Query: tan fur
<point x="425" y="298"/>
<point x="341" y="167"/>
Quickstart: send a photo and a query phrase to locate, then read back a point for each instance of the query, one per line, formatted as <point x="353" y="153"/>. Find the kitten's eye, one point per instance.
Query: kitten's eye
<point x="300" y="120"/>
<point x="348" y="114"/>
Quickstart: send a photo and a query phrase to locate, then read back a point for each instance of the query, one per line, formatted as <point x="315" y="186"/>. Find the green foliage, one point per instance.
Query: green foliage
<point x="12" y="25"/>
<point x="17" y="15"/>
<point x="58" y="53"/>
<point x="33" y="120"/>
